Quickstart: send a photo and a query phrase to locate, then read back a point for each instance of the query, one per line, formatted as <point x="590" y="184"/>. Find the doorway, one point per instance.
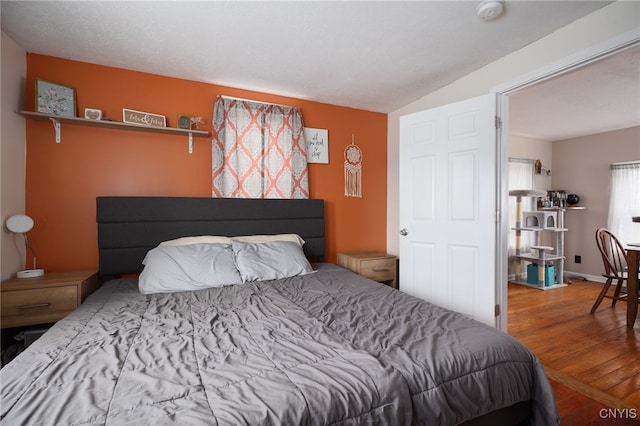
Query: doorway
<point x="548" y="75"/>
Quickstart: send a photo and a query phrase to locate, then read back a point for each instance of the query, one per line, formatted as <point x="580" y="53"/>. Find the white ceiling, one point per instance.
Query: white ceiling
<point x="371" y="55"/>
<point x="596" y="98"/>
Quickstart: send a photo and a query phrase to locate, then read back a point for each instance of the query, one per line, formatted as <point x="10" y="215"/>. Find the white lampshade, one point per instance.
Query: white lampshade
<point x="19" y="223"/>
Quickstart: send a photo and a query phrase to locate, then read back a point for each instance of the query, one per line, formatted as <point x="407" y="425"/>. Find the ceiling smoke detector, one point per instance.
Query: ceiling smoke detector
<point x="490" y="9"/>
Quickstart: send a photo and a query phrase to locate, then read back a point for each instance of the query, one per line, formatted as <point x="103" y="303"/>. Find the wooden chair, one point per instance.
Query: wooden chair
<point x="614" y="258"/>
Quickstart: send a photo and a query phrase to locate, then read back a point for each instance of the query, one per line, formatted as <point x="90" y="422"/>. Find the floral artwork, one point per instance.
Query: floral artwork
<point x="55" y="99"/>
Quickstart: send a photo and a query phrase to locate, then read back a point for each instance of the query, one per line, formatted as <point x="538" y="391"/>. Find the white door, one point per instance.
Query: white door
<point x="448" y="206"/>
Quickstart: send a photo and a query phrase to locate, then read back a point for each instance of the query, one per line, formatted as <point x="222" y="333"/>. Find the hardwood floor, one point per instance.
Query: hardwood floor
<point x="596" y="350"/>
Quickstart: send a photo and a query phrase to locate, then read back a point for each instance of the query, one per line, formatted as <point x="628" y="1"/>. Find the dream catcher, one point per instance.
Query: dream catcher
<point x="353" y="170"/>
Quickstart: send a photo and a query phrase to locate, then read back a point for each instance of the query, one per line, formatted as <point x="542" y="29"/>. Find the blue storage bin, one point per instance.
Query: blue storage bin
<point x="549" y="274"/>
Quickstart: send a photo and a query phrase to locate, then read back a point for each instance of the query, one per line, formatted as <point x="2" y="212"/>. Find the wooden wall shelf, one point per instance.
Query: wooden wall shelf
<point x="57" y="120"/>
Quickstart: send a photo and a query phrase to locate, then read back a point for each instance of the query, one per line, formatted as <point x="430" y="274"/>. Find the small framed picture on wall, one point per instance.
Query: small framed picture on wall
<point x="317" y="145"/>
<point x="56" y="99"/>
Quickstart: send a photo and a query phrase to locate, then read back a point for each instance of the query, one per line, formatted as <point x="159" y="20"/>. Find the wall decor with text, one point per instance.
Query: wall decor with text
<point x="317" y="145"/>
<point x="143" y="118"/>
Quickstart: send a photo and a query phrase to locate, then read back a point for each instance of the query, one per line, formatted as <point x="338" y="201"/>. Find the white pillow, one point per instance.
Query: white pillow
<point x="169" y="269"/>
<point x="270" y="260"/>
<point x="185" y="241"/>
<point x="268" y="238"/>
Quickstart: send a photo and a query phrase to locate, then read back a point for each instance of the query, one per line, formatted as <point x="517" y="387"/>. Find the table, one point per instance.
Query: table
<point x="44" y="299"/>
<point x="633" y="258"/>
<point x="374" y="265"/>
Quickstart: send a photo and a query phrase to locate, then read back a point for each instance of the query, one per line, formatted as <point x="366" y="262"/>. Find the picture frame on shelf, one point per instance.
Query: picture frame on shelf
<point x="143" y="118"/>
<point x="184" y="121"/>
<point x="54" y="98"/>
<point x="92" y="114"/>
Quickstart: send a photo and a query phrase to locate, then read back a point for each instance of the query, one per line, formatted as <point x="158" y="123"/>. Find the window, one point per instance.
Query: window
<point x="624" y="201"/>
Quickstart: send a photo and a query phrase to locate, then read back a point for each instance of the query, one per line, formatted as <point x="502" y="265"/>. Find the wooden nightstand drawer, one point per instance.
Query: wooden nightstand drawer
<point x="379" y="269"/>
<point x="44" y="299"/>
<point x="37" y="306"/>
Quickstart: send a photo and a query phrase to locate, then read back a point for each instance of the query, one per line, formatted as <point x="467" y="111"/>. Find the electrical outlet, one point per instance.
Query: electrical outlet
<point x="578" y="259"/>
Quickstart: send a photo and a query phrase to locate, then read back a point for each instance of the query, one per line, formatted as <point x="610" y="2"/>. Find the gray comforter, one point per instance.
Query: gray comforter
<point x="326" y="348"/>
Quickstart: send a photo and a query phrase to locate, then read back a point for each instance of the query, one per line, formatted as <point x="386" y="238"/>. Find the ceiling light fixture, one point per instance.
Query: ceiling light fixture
<point x="489" y="10"/>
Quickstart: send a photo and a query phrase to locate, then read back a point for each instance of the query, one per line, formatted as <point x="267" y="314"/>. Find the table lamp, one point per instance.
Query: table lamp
<point x="21" y="224"/>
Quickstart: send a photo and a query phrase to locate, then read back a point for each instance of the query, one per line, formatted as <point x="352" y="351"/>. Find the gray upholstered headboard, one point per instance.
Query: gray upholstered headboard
<point x="128" y="227"/>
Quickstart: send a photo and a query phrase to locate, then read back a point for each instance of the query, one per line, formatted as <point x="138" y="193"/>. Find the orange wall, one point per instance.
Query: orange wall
<point x="64" y="179"/>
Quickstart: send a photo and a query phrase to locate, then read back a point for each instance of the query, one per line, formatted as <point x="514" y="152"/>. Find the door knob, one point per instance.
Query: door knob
<point x="404" y="232"/>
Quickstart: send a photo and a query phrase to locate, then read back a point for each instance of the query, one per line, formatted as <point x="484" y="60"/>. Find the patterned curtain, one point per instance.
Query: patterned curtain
<point x="258" y="151"/>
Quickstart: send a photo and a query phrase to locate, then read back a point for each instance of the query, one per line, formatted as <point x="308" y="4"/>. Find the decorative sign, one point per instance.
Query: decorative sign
<point x="92" y="114"/>
<point x="143" y="118"/>
<point x="353" y="170"/>
<point x="317" y="145"/>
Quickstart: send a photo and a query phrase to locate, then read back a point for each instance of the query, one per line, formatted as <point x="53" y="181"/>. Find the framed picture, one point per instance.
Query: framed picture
<point x="317" y="145"/>
<point x="92" y="114"/>
<point x="184" y="121"/>
<point x="56" y="99"/>
<point x="143" y="118"/>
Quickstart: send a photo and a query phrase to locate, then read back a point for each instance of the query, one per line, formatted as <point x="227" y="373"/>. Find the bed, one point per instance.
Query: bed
<point x="323" y="346"/>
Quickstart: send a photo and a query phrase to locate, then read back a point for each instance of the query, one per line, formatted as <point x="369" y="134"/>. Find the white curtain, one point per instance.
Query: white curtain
<point x="624" y="201"/>
<point x="258" y="151"/>
<point x="521" y="172"/>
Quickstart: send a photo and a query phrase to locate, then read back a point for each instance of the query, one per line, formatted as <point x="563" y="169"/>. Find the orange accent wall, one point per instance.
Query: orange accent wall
<point x="64" y="179"/>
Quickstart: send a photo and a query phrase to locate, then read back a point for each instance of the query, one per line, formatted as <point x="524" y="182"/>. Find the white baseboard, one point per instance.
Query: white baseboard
<point x="574" y="276"/>
<point x="578" y="276"/>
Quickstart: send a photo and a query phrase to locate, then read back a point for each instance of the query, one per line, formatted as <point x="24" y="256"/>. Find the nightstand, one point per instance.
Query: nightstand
<point x="374" y="265"/>
<point x="45" y="299"/>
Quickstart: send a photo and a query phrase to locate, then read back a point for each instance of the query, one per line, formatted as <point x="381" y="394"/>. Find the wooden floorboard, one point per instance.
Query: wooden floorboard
<point x="582" y="405"/>
<point x="597" y="350"/>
